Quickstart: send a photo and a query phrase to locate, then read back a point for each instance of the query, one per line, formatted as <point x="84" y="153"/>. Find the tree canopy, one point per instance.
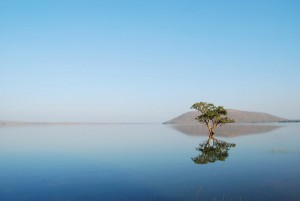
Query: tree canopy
<point x="212" y="116"/>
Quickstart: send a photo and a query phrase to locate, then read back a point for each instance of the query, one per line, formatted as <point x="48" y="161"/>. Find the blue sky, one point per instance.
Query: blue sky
<point x="146" y="61"/>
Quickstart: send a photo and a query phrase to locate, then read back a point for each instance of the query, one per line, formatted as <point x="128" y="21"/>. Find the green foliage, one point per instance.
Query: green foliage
<point x="211" y="115"/>
<point x="218" y="151"/>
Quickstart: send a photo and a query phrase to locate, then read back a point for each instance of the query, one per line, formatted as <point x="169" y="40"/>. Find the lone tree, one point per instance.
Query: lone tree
<point x="212" y="116"/>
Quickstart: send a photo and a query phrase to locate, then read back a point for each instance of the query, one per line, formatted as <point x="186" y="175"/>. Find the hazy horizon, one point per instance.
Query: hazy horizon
<point x="133" y="61"/>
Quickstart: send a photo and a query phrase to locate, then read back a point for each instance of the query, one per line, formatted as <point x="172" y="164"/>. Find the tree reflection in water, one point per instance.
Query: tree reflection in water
<point x="212" y="150"/>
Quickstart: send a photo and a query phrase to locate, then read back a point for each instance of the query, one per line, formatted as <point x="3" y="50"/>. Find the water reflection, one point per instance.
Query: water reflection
<point x="232" y="130"/>
<point x="212" y="150"/>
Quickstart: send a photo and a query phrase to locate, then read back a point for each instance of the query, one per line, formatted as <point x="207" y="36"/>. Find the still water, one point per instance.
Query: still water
<point x="147" y="162"/>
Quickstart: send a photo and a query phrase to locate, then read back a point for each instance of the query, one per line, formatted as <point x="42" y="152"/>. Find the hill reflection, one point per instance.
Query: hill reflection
<point x="233" y="130"/>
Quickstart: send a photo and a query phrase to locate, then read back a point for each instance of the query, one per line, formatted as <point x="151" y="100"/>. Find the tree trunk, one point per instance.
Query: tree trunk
<point x="211" y="132"/>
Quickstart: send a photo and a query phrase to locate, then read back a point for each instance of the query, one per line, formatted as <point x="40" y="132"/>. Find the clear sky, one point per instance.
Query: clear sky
<point x="147" y="61"/>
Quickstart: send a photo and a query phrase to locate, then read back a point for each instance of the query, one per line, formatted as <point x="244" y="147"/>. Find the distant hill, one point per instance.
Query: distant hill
<point x="238" y="115"/>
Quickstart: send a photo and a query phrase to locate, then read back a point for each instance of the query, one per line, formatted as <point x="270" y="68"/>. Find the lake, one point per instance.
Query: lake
<point x="148" y="162"/>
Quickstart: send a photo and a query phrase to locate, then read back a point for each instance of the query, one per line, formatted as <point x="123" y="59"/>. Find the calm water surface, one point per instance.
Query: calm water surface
<point x="147" y="162"/>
